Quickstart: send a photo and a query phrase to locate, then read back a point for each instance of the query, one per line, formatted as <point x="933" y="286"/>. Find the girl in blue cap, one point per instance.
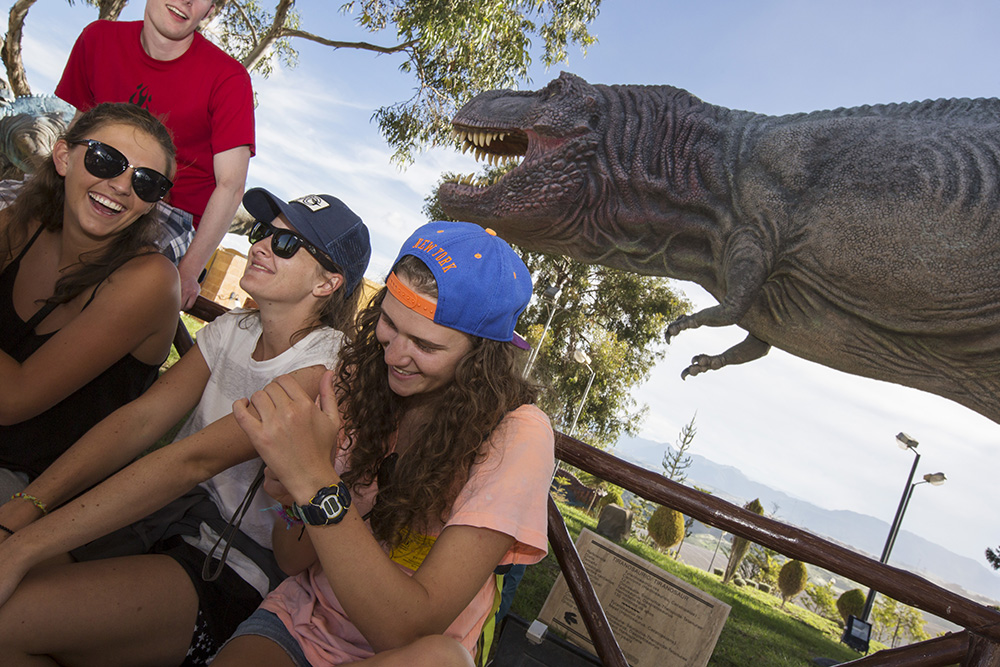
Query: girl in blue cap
<point x="440" y="472"/>
<point x="304" y="270"/>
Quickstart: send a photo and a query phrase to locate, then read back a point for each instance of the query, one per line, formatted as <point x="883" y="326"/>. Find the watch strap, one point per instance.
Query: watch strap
<point x="328" y="506"/>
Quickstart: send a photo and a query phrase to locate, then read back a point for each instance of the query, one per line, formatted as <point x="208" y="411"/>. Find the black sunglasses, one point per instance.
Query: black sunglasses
<point x="285" y="243"/>
<point x="106" y="161"/>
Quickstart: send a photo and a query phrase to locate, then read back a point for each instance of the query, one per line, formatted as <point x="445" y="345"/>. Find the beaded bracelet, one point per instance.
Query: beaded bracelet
<point x="33" y="500"/>
<point x="6" y="529"/>
<point x="283" y="512"/>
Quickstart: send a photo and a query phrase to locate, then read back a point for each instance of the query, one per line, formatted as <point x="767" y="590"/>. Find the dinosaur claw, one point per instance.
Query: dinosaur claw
<point x="685" y="373"/>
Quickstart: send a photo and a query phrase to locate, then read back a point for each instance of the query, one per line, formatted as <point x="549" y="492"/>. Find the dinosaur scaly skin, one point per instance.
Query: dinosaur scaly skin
<point x="864" y="239"/>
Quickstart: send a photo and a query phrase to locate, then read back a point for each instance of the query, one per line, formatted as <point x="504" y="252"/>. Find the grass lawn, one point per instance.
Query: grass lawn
<point x="758" y="631"/>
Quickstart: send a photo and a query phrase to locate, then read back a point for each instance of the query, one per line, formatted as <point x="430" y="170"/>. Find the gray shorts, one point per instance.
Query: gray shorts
<point x="263" y="623"/>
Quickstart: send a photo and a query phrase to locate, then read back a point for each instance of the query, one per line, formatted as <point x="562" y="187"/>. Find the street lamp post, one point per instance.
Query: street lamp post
<point x="936" y="479"/>
<point x="550" y="294"/>
<point x="581" y="357"/>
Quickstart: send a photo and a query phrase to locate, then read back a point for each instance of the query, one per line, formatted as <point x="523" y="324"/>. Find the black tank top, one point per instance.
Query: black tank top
<point x="30" y="446"/>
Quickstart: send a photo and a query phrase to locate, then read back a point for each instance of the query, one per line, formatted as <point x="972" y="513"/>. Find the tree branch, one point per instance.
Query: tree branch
<point x="273" y="33"/>
<point x="246" y="19"/>
<point x="365" y="46"/>
<point x="16" y="76"/>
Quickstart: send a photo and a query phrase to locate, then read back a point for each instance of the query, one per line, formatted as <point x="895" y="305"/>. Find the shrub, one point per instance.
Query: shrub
<point x="666" y="527"/>
<point x="851" y="603"/>
<point x="740" y="545"/>
<point x="792" y="580"/>
<point x="612" y="497"/>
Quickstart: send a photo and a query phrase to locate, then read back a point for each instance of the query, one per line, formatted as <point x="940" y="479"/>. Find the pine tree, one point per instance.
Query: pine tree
<point x="993" y="558"/>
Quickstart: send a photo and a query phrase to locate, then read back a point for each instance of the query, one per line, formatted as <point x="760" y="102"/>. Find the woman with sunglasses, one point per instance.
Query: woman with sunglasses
<point x="88" y="307"/>
<point x="139" y="596"/>
<point x="440" y="476"/>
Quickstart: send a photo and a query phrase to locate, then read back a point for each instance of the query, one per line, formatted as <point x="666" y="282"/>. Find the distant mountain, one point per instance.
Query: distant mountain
<point x="860" y="532"/>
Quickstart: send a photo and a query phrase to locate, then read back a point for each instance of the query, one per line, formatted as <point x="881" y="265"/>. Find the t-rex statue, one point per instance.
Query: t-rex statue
<point x="864" y="239"/>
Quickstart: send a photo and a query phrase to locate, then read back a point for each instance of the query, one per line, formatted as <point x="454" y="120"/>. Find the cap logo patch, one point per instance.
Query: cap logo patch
<point x="437" y="253"/>
<point x="312" y="202"/>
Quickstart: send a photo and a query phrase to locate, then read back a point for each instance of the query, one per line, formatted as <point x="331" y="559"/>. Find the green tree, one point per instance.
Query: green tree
<point x="851" y="603"/>
<point x="761" y="564"/>
<point x="453" y="50"/>
<point x="893" y="622"/>
<point x="740" y="545"/>
<point x="993" y="558"/>
<point x="612" y="497"/>
<point x="792" y="580"/>
<point x="617" y="318"/>
<point x="666" y="527"/>
<point x="821" y="601"/>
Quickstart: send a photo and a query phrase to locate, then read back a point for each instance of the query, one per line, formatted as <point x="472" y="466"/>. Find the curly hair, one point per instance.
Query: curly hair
<point x="487" y="385"/>
<point x="43" y="197"/>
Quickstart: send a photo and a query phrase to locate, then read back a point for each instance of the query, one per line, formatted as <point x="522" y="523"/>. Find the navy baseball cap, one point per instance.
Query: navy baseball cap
<point x="324" y="221"/>
<point x="483" y="286"/>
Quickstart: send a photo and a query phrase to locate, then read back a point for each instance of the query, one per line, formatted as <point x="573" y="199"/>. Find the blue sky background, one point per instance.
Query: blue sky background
<point x="812" y="432"/>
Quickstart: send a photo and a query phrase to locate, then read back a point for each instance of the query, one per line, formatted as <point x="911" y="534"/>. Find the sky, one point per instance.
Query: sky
<point x="815" y="433"/>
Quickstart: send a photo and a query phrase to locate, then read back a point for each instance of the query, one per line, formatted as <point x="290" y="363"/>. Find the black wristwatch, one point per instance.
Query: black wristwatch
<point x="328" y="506"/>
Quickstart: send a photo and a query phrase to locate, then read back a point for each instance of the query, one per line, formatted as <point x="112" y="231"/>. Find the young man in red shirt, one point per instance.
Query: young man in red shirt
<point x="201" y="93"/>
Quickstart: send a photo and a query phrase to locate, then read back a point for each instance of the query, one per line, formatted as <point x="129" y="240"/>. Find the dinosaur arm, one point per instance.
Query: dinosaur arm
<point x="745" y="273"/>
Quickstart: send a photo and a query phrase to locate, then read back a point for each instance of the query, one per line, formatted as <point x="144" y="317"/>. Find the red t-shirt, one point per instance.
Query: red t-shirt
<point x="204" y="97"/>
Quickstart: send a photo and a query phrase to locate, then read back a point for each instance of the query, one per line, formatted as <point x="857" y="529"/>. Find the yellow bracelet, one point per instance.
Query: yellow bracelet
<point x="33" y="500"/>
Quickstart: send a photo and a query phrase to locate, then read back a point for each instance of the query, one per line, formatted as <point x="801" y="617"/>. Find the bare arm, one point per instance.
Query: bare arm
<point x="230" y="179"/>
<point x="136" y="303"/>
<point x="389" y="607"/>
<point x="293" y="550"/>
<point x="116" y="440"/>
<point x="141" y="488"/>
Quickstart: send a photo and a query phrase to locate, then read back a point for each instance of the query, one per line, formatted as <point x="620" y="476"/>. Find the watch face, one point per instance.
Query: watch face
<point x="329" y="505"/>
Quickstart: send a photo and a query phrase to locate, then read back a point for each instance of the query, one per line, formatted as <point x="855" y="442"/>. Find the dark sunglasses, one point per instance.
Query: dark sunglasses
<point x="285" y="243"/>
<point x="105" y="161"/>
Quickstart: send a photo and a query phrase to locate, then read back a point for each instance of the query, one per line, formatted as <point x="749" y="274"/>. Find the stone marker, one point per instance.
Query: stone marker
<point x="658" y="619"/>
<point x="615" y="523"/>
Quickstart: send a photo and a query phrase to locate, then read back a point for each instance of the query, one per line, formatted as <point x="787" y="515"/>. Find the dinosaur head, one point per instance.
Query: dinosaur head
<point x="552" y="131"/>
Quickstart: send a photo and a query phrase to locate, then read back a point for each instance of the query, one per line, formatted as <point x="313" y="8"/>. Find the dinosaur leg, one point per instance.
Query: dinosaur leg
<point x="748" y="349"/>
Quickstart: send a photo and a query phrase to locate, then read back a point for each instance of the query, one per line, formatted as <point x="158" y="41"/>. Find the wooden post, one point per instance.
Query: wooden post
<point x="983" y="652"/>
<point x="583" y="591"/>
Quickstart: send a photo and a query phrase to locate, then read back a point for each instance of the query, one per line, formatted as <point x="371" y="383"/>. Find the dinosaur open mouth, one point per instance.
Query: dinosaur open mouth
<point x="498" y="147"/>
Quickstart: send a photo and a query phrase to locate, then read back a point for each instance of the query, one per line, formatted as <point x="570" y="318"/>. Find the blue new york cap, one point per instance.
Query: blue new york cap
<point x="483" y="286"/>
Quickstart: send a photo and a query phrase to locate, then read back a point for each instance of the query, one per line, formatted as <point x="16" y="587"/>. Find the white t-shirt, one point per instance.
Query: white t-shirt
<point x="226" y="345"/>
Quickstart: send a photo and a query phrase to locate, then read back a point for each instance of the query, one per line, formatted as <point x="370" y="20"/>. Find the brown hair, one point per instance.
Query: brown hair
<point x="43" y="196"/>
<point x="488" y="384"/>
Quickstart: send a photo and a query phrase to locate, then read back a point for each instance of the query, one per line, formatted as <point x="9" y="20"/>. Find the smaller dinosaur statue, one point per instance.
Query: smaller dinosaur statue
<point x="29" y="127"/>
